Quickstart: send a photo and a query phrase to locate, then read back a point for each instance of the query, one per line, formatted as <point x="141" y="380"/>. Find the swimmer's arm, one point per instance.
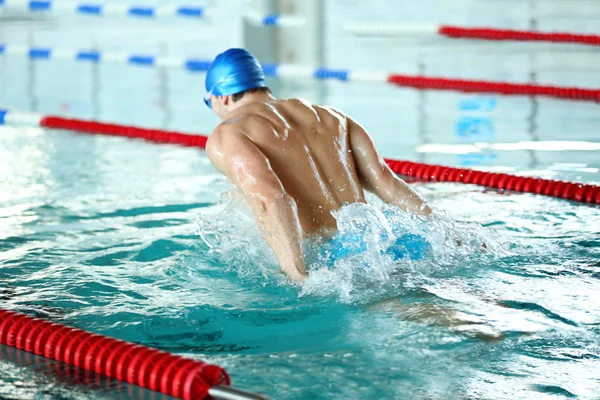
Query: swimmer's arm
<point x="377" y="177"/>
<point x="275" y="210"/>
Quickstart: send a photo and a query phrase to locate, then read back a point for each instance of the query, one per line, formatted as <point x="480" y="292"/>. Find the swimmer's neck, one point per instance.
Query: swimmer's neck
<point x="250" y="98"/>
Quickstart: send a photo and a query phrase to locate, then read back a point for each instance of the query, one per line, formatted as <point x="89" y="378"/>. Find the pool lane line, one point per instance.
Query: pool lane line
<point x="470" y="32"/>
<point x="140" y="11"/>
<point x="294" y="71"/>
<point x="422" y="172"/>
<point x="98" y="9"/>
<point x="160" y="371"/>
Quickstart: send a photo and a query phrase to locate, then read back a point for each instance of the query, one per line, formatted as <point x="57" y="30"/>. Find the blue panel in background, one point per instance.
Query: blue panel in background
<point x="2" y="114"/>
<point x="194" y="12"/>
<point x="2" y="48"/>
<point x="478" y="103"/>
<point x="475" y="128"/>
<point x="485" y="158"/>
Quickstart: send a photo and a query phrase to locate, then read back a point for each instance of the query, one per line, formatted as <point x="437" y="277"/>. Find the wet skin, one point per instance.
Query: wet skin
<point x="296" y="163"/>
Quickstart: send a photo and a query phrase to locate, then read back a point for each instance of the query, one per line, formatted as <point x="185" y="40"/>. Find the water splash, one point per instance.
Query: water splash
<point x="373" y="274"/>
<point x="232" y="239"/>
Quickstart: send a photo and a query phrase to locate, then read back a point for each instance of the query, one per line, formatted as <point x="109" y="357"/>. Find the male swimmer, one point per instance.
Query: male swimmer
<point x="295" y="162"/>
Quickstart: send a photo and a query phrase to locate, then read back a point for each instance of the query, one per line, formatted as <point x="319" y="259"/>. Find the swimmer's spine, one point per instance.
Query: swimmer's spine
<point x="139" y="365"/>
<point x="290" y="71"/>
<point x="420" y="171"/>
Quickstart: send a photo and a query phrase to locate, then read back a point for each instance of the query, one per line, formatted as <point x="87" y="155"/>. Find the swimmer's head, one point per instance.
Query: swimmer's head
<point x="232" y="74"/>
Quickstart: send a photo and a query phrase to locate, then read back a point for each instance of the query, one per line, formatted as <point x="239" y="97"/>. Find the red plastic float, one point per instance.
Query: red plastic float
<point x="419" y="171"/>
<point x="505" y="88"/>
<point x="437" y="173"/>
<point x="461" y="32"/>
<point x="139" y="365"/>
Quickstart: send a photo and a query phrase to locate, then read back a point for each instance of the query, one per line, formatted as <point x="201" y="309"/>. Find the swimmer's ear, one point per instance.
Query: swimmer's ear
<point x="226" y="100"/>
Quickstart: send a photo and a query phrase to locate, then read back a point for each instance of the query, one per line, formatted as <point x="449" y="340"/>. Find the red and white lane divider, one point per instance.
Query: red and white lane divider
<point x="422" y="172"/>
<point x="466" y="32"/>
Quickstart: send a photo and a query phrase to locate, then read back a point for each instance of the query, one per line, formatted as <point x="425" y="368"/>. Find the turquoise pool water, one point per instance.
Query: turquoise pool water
<point x="138" y="241"/>
<point x="147" y="243"/>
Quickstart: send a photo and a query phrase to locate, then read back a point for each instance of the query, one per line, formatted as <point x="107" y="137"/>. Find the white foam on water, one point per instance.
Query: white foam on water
<point x="372" y="275"/>
<point x="232" y="239"/>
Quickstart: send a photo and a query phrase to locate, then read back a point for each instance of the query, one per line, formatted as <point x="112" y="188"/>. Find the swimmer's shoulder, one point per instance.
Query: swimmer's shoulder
<point x="225" y="140"/>
<point x="237" y="126"/>
<point x="216" y="140"/>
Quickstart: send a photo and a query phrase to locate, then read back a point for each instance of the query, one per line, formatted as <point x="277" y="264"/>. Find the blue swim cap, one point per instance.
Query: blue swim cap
<point x="233" y="71"/>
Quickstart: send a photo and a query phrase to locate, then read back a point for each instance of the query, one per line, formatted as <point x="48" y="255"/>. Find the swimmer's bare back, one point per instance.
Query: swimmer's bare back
<point x="296" y="163"/>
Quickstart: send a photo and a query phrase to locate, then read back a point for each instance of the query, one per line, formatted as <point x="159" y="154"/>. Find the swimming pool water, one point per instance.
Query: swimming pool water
<point x="134" y="240"/>
<point x="137" y="240"/>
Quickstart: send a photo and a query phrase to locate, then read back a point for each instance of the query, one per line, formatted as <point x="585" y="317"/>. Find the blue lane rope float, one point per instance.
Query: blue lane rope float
<point x="291" y="71"/>
<point x="99" y="9"/>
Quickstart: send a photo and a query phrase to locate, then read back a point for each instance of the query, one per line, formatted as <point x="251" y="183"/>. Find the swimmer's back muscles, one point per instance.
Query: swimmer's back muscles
<point x="377" y="177"/>
<point x="287" y="199"/>
<point x="294" y="162"/>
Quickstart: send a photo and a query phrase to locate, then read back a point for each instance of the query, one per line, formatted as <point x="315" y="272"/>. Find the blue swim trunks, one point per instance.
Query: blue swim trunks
<point x="343" y="245"/>
<point x="409" y="245"/>
<point x="365" y="230"/>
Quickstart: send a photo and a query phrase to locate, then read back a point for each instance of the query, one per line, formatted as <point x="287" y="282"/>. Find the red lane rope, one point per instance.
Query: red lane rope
<point x="438" y="173"/>
<point x="471" y="86"/>
<point x="518" y="35"/>
<point x="423" y="172"/>
<point x="139" y="365"/>
<point x="153" y="135"/>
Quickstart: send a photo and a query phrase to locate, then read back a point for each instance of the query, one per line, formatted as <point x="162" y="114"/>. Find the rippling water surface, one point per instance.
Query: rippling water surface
<point x="147" y="243"/>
